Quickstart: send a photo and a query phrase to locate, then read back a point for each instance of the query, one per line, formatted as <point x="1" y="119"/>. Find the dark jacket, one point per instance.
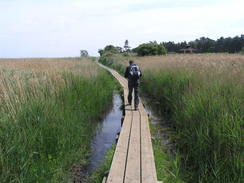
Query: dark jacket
<point x="127" y="72"/>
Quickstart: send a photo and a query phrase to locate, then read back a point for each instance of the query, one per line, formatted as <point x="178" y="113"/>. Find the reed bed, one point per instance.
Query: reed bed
<point x="202" y="95"/>
<point x="51" y="65"/>
<point x="191" y="61"/>
<point x="49" y="109"/>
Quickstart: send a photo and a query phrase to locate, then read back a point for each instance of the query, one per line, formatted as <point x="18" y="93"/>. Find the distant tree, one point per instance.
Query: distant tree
<point x="151" y="48"/>
<point x="171" y="46"/>
<point x="220" y="45"/>
<point x="183" y="44"/>
<point x="236" y="44"/>
<point x="161" y="49"/>
<point x="110" y="49"/>
<point x="100" y="51"/>
<point x="126" y="46"/>
<point x="203" y="45"/>
<point x="120" y="49"/>
<point x="84" y="53"/>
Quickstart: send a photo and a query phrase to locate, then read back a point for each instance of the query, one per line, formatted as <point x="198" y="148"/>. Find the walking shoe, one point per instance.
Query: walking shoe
<point x="136" y="108"/>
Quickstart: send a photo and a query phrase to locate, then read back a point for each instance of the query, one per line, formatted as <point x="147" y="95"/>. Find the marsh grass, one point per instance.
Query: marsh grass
<point x="48" y="113"/>
<point x="208" y="119"/>
<point x="205" y="103"/>
<point x="203" y="96"/>
<point x="167" y="161"/>
<point x="116" y="61"/>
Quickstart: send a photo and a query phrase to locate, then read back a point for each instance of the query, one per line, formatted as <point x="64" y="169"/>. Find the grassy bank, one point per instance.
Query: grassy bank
<point x="203" y="97"/>
<point x="115" y="61"/>
<point x="208" y="119"/>
<point x="48" y="113"/>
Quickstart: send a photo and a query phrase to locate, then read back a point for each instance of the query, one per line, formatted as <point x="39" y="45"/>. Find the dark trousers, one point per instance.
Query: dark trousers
<point x="133" y="85"/>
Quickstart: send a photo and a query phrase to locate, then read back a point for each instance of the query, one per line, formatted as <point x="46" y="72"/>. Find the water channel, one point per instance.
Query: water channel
<point x="107" y="130"/>
<point x="106" y="134"/>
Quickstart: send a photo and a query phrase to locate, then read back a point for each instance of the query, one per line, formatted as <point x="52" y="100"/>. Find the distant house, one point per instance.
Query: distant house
<point x="188" y="49"/>
<point x="242" y="36"/>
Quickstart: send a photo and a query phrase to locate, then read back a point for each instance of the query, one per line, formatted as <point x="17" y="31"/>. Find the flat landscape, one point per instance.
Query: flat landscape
<point x="48" y="115"/>
<point x="102" y="91"/>
<point x="202" y="97"/>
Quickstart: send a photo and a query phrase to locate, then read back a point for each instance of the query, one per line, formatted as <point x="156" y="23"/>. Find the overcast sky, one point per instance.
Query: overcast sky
<point x="60" y="28"/>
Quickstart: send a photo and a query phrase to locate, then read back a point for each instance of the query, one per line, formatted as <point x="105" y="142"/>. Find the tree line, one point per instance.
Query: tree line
<point x="207" y="45"/>
<point x="145" y="49"/>
<point x="201" y="45"/>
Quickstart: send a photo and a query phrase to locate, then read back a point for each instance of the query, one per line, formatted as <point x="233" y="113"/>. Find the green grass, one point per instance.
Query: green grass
<point x="208" y="119"/>
<point x="51" y="131"/>
<point x="167" y="164"/>
<point x="114" y="61"/>
<point x="205" y="107"/>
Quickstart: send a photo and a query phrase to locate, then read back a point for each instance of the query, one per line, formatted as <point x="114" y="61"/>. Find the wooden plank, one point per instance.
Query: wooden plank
<point x="133" y="166"/>
<point x="128" y="108"/>
<point x="133" y="159"/>
<point x="123" y="82"/>
<point x="142" y="110"/>
<point x="120" y="81"/>
<point x="148" y="165"/>
<point x="104" y="180"/>
<point x="116" y="174"/>
<point x="117" y="75"/>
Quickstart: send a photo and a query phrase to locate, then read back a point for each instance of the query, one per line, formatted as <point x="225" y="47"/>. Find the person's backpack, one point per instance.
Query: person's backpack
<point x="135" y="72"/>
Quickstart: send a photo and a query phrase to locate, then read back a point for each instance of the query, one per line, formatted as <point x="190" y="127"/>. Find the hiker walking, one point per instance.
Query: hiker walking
<point x="133" y="74"/>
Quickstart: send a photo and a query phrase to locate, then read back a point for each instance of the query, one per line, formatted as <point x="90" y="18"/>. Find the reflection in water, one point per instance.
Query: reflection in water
<point x="164" y="131"/>
<point x="155" y="118"/>
<point x="106" y="134"/>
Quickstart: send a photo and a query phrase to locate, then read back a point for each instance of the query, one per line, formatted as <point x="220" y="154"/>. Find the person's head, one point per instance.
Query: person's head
<point x="131" y="62"/>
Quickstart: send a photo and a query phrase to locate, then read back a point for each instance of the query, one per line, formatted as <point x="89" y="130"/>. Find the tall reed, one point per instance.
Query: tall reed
<point x="47" y="119"/>
<point x="203" y="96"/>
<point x="208" y="118"/>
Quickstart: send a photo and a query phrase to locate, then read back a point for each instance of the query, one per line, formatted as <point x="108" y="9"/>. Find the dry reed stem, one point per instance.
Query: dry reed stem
<point x="16" y="75"/>
<point x="51" y="65"/>
<point x="234" y="61"/>
<point x="228" y="64"/>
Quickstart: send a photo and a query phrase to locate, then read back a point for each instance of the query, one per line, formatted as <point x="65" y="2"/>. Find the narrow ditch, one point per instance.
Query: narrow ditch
<point x="104" y="138"/>
<point x="106" y="134"/>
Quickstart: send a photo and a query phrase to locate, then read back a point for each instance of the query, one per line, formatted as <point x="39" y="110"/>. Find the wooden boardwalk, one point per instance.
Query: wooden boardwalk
<point x="133" y="160"/>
